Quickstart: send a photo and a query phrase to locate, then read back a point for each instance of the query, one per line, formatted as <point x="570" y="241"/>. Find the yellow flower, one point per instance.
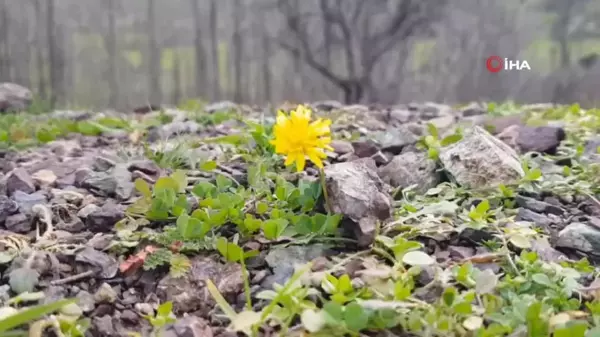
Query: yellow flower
<point x="297" y="137"/>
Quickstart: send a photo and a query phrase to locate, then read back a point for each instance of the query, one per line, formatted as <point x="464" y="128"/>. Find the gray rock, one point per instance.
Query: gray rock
<point x="86" y="301"/>
<point x="284" y="259"/>
<point x="411" y="168"/>
<point x="105" y="294"/>
<point x="19" y="180"/>
<point x="7" y="207"/>
<point x="546" y="252"/>
<point x="125" y="185"/>
<point x="356" y="191"/>
<point x="70" y="148"/>
<point x="581" y="237"/>
<point x="54" y="293"/>
<point x="27" y="201"/>
<point x="328" y="105"/>
<point x="189" y="292"/>
<point x="365" y="148"/>
<point x="393" y="140"/>
<point x="14" y="97"/>
<point x="18" y="223"/>
<point x="543" y="139"/>
<point x="101" y="184"/>
<point x="220" y="106"/>
<point x="189" y="326"/>
<point x="107" y="265"/>
<point x="341" y="146"/>
<point x="473" y="109"/>
<point x="87" y="210"/>
<point x="103" y="164"/>
<point x="540" y="220"/>
<point x="44" y="178"/>
<point x="481" y="160"/>
<point x="103" y="326"/>
<point x="130" y="316"/>
<point x="103" y="219"/>
<point x="538" y="206"/>
<point x="146" y="166"/>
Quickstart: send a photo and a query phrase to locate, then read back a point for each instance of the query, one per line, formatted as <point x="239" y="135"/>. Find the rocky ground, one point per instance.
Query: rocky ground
<point x="472" y="221"/>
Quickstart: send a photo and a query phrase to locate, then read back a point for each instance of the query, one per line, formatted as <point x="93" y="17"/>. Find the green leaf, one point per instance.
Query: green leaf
<point x="229" y="250"/>
<point x="334" y="313"/>
<point x="203" y="189"/>
<point x="221" y="301"/>
<point x="451" y="139"/>
<point x="542" y="279"/>
<point x="449" y="296"/>
<point x="433" y="131"/>
<point x="223" y="183"/>
<point x="142" y="186"/>
<point x="483" y="207"/>
<point x="273" y="228"/>
<point x="31" y="314"/>
<point x="208" y="165"/>
<point x="534" y="174"/>
<point x="165" y="309"/>
<point x="262" y="208"/>
<point x="181" y="205"/>
<point x="165" y="183"/>
<point x="355" y="317"/>
<point x="181" y="180"/>
<point x="433" y="153"/>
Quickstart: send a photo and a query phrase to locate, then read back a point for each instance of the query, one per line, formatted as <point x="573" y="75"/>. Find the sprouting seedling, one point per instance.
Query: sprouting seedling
<point x="433" y="143"/>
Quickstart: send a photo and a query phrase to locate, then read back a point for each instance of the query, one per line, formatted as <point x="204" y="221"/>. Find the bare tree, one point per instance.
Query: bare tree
<point x="200" y="66"/>
<point x="52" y="55"/>
<point x="364" y="30"/>
<point x="4" y="42"/>
<point x="214" y="49"/>
<point x="110" y="44"/>
<point x="39" y="55"/>
<point x="154" y="54"/>
<point x="238" y="48"/>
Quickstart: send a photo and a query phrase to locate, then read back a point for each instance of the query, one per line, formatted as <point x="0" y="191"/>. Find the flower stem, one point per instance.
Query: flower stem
<point x="325" y="195"/>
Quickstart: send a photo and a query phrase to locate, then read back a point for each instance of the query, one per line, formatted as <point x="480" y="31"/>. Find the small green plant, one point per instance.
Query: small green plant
<point x="432" y="142"/>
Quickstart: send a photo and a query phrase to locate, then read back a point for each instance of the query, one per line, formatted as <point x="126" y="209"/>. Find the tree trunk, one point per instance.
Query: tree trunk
<point x="39" y="55"/>
<point x="237" y="49"/>
<point x="58" y="82"/>
<point x="266" y="69"/>
<point x="110" y="44"/>
<point x="5" y="75"/>
<point x="176" y="78"/>
<point x="214" y="49"/>
<point x="51" y="44"/>
<point x="154" y="54"/>
<point x="200" y="66"/>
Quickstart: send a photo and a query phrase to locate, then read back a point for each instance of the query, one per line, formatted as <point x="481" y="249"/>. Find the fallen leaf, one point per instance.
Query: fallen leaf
<point x="473" y="323"/>
<point x="485" y="282"/>
<point x="134" y="262"/>
<point x="417" y="258"/>
<point x="312" y="321"/>
<point x="483" y="258"/>
<point x="520" y="241"/>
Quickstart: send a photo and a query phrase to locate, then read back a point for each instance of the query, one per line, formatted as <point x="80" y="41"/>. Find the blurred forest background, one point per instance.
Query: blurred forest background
<point x="127" y="53"/>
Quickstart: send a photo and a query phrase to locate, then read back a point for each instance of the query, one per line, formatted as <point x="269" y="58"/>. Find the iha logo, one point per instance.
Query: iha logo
<point x="495" y="64"/>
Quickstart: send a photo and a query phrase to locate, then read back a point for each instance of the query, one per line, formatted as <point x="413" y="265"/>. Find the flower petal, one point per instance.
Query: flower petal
<point x="300" y="162"/>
